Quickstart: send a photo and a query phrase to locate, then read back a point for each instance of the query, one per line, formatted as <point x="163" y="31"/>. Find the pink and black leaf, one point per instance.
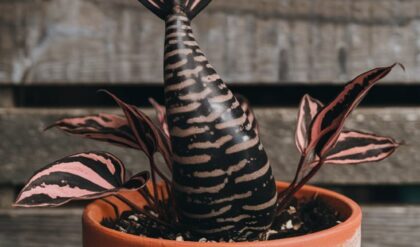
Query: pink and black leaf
<point x="149" y="137"/>
<point x="80" y="176"/>
<point x="161" y="115"/>
<point x="328" y="123"/>
<point x="102" y="127"/>
<point x="308" y="109"/>
<point x="352" y="147"/>
<point x="355" y="147"/>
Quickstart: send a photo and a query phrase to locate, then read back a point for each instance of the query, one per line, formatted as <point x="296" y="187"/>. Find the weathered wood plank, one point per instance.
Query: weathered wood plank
<point x="270" y="41"/>
<point x="384" y="226"/>
<point x="391" y="226"/>
<point x="41" y="228"/>
<point x="25" y="147"/>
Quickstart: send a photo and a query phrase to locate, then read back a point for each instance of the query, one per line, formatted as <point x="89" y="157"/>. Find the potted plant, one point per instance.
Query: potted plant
<point x="220" y="188"/>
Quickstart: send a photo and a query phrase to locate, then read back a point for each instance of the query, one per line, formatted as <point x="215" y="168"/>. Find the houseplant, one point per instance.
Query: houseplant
<point x="221" y="186"/>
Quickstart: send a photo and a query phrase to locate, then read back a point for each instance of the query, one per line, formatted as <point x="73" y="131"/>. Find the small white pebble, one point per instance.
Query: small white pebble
<point x="179" y="238"/>
<point x="121" y="229"/>
<point x="297" y="226"/>
<point x="289" y="224"/>
<point x="270" y="232"/>
<point x="133" y="217"/>
<point x="202" y="240"/>
<point x="291" y="210"/>
<point x="154" y="213"/>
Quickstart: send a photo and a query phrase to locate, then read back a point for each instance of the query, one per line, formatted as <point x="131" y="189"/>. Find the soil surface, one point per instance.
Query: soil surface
<point x="300" y="218"/>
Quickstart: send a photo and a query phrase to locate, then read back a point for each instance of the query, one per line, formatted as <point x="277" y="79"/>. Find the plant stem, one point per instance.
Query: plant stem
<point x="146" y="196"/>
<point x="154" y="184"/>
<point x="295" y="179"/>
<point x="286" y="198"/>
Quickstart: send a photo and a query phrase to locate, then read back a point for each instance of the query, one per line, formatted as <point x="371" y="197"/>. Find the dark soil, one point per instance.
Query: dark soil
<point x="300" y="218"/>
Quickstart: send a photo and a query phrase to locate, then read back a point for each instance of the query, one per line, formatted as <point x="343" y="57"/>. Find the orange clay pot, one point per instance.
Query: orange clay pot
<point x="346" y="234"/>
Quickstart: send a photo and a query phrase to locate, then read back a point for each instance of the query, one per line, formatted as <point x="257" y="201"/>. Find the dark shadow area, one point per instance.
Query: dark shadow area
<point x="379" y="194"/>
<point x="258" y="94"/>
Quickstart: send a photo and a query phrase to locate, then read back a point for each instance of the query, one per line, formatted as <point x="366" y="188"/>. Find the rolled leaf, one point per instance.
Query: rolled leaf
<point x="161" y="115"/>
<point x="329" y="122"/>
<point x="355" y="147"/>
<point x="308" y="109"/>
<point x="102" y="127"/>
<point x="77" y="177"/>
<point x="137" y="181"/>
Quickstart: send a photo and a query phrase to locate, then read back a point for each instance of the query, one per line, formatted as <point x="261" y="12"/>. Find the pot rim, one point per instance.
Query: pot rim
<point x="352" y="222"/>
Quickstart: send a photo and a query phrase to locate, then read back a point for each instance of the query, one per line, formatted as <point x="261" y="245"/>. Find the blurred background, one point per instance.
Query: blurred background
<point x="55" y="55"/>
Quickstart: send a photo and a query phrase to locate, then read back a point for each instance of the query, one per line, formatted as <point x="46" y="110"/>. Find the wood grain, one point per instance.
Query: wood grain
<point x="25" y="147"/>
<point x="385" y="226"/>
<point x="41" y="228"/>
<point x="267" y="41"/>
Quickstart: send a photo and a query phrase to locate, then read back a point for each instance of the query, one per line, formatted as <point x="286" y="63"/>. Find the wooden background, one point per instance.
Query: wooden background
<point x="54" y="43"/>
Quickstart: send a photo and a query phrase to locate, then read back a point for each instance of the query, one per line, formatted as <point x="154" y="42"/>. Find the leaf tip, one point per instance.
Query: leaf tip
<point x="399" y="65"/>
<point x="152" y="101"/>
<point x="102" y="91"/>
<point x="50" y="126"/>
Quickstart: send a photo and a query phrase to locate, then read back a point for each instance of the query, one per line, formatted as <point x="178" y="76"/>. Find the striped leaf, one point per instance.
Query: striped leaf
<point x="149" y="137"/>
<point x="78" y="177"/>
<point x="102" y="127"/>
<point x="355" y="147"/>
<point x="329" y="122"/>
<point x="308" y="109"/>
<point x="352" y="147"/>
<point x="161" y="115"/>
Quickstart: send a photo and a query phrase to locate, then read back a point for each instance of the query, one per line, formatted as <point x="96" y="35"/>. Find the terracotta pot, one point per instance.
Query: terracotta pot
<point x="346" y="234"/>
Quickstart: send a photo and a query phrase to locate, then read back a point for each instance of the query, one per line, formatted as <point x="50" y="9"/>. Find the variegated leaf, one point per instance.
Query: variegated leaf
<point x="102" y="127"/>
<point x="327" y="125"/>
<point x="77" y="177"/>
<point x="161" y="115"/>
<point x="149" y="137"/>
<point x="308" y="109"/>
<point x="355" y="147"/>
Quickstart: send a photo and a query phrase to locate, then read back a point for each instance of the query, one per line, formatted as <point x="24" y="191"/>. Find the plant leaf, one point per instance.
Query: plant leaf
<point x="327" y="125"/>
<point x="355" y="147"/>
<point x="137" y="181"/>
<point x="102" y="127"/>
<point x="161" y="115"/>
<point x="149" y="137"/>
<point x="308" y="109"/>
<point x="81" y="176"/>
